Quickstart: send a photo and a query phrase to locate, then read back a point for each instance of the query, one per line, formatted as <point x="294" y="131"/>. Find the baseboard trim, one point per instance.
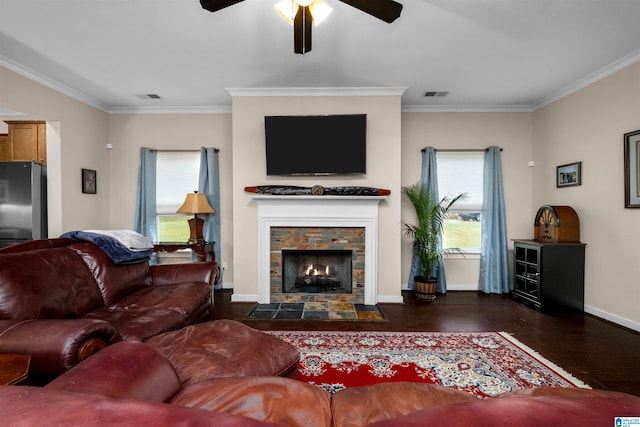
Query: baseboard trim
<point x="627" y="323"/>
<point x="244" y="297"/>
<point x="227" y="285"/>
<point x="459" y="287"/>
<point x="394" y="299"/>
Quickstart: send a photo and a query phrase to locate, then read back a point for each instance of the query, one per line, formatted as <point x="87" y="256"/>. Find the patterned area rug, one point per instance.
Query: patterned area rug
<point x="481" y="363"/>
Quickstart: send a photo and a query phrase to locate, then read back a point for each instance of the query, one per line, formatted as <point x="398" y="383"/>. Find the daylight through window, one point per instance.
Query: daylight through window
<point x="176" y="175"/>
<point x="462" y="172"/>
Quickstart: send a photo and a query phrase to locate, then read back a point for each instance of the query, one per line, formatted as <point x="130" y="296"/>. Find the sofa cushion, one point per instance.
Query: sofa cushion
<point x="46" y="283"/>
<point x="154" y="309"/>
<point x="35" y="407"/>
<point x="124" y="370"/>
<point x="360" y="406"/>
<point x="183" y="298"/>
<point x="114" y="281"/>
<point x="225" y="348"/>
<point x="138" y="323"/>
<point x="282" y="401"/>
<point x="522" y="412"/>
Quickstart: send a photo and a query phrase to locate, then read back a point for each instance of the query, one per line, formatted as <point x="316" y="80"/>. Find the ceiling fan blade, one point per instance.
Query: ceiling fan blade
<point x="386" y="10"/>
<point x="302" y="30"/>
<point x="216" y="5"/>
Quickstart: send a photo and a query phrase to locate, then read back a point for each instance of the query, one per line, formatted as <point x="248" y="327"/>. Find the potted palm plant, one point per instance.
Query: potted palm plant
<point x="431" y="214"/>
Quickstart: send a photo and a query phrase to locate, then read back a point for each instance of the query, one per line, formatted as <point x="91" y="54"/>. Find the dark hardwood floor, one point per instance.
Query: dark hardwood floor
<point x="602" y="354"/>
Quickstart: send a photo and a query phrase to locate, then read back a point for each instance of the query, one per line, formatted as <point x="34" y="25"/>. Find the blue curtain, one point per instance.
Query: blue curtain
<point x="209" y="185"/>
<point x="494" y="255"/>
<point x="144" y="221"/>
<point x="428" y="178"/>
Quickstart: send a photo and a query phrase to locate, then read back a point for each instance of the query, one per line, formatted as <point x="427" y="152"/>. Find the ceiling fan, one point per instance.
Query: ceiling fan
<point x="385" y="10"/>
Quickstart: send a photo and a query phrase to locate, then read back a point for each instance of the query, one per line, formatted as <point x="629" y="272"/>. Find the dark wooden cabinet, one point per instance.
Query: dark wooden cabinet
<point x="549" y="276"/>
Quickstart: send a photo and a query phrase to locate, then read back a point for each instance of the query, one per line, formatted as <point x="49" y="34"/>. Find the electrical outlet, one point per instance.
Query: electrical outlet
<point x="224" y="265"/>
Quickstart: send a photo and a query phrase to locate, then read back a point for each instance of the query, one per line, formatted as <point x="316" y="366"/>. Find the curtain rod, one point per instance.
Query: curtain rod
<point x="180" y="151"/>
<point x="460" y="150"/>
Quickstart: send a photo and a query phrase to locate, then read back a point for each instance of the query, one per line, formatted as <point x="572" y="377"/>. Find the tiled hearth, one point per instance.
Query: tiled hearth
<point x="354" y="215"/>
<point x="316" y="311"/>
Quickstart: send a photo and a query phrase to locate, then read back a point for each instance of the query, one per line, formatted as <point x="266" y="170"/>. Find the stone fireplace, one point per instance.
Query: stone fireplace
<point x="341" y="223"/>
<point x="311" y="264"/>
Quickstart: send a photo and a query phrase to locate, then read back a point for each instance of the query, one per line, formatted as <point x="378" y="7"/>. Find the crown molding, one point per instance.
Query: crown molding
<point x="169" y="110"/>
<point x="603" y="72"/>
<point x="50" y="83"/>
<point x="467" y="108"/>
<point x="317" y="91"/>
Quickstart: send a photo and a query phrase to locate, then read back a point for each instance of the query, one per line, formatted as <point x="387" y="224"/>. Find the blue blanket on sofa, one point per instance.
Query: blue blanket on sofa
<point x="118" y="252"/>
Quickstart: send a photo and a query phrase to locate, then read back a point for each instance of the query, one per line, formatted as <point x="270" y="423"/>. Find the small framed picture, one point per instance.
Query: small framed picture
<point x="89" y="181"/>
<point x="632" y="169"/>
<point x="569" y="175"/>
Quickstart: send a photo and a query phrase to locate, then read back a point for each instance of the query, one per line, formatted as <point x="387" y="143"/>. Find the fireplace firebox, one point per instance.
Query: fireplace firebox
<point x="317" y="270"/>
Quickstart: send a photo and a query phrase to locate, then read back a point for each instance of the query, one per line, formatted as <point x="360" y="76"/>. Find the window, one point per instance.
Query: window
<point x="462" y="172"/>
<point x="176" y="175"/>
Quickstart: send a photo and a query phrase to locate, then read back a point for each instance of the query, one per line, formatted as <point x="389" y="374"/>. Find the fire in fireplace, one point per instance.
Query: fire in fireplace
<point x="316" y="270"/>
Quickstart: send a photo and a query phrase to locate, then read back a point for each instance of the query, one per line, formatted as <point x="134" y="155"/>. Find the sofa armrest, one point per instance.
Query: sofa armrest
<point x="124" y="370"/>
<point x="169" y="274"/>
<point x="55" y="345"/>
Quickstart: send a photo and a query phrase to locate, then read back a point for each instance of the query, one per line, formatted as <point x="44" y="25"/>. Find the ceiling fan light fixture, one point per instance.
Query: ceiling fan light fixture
<point x="287" y="10"/>
<point x="320" y="11"/>
<point x="304" y="2"/>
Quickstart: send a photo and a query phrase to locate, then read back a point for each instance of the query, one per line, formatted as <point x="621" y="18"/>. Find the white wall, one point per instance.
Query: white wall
<point x="383" y="171"/>
<point x="588" y="126"/>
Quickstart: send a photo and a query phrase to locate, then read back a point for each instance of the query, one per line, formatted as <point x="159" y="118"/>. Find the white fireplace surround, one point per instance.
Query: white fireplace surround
<point x="318" y="211"/>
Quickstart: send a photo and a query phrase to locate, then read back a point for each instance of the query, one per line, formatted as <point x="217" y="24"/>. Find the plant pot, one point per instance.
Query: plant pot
<point x="425" y="289"/>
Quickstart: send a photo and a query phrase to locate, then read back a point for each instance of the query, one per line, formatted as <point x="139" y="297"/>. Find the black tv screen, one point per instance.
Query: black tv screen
<point x="316" y="145"/>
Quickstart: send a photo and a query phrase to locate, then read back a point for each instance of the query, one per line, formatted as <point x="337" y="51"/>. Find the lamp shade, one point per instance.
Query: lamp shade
<point x="195" y="203"/>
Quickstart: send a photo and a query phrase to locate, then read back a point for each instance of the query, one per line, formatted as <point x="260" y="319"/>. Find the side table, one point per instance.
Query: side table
<point x="14" y="368"/>
<point x="204" y="250"/>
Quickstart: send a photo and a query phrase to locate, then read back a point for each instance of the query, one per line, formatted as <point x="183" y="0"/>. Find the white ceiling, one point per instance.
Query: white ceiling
<point x="489" y="54"/>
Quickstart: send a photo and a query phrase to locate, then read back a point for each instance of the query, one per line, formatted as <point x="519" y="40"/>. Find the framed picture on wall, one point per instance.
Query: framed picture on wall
<point x="632" y="169"/>
<point x="569" y="175"/>
<point x="89" y="184"/>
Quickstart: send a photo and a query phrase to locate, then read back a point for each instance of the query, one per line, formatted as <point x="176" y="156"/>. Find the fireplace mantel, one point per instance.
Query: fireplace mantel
<point x="318" y="211"/>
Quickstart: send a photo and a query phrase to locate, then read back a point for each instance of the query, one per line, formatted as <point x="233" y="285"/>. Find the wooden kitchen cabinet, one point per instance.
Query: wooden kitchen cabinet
<point x="26" y="142"/>
<point x="4" y="147"/>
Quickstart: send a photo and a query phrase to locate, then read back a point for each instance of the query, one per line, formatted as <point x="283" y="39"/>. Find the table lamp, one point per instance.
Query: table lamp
<point x="195" y="204"/>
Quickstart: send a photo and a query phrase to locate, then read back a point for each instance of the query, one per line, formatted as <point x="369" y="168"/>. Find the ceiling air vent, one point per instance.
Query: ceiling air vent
<point x="147" y="96"/>
<point x="436" y="94"/>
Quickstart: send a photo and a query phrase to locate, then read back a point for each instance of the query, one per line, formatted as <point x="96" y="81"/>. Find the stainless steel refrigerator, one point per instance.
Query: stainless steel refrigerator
<point x="23" y="202"/>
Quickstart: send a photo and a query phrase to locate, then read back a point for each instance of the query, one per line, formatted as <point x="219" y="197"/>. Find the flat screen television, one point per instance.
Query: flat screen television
<point x="316" y="145"/>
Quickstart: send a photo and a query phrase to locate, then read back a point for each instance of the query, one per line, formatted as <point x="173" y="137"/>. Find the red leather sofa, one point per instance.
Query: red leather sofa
<point x="132" y="383"/>
<point x="61" y="300"/>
